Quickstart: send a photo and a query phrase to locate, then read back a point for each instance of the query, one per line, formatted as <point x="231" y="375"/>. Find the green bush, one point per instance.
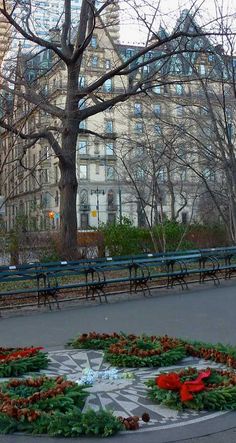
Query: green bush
<point x="172" y="235"/>
<point x="126" y="239"/>
<point x="122" y="239"/>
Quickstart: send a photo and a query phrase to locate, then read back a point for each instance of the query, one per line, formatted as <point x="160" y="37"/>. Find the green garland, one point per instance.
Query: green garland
<point x="219" y="392"/>
<point x="145" y="352"/>
<point x="18" y="361"/>
<point x="135" y="351"/>
<point x="94" y="340"/>
<point x="51" y="406"/>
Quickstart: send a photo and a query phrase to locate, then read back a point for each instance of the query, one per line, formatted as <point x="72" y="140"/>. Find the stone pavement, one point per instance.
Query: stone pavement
<point x="203" y="313"/>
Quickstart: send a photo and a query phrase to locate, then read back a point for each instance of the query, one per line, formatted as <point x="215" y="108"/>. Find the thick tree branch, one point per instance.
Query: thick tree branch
<point x="44" y="134"/>
<point x="32" y="97"/>
<point x="65" y="37"/>
<point x="33" y="38"/>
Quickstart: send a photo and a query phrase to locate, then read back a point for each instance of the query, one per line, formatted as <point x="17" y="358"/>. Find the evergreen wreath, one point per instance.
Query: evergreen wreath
<point x="18" y="361"/>
<point x="96" y="340"/>
<point x="145" y="352"/>
<point x="135" y="351"/>
<point x="211" y="389"/>
<point x="51" y="406"/>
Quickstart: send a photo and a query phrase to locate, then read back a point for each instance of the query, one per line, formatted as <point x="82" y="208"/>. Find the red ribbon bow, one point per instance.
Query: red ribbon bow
<point x="172" y="382"/>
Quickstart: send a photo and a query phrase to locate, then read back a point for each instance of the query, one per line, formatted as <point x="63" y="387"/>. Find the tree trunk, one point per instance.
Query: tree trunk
<point x="68" y="215"/>
<point x="67" y="163"/>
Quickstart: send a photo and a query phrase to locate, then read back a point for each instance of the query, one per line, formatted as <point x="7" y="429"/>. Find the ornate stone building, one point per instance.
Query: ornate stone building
<point x="155" y="158"/>
<point x="4" y="37"/>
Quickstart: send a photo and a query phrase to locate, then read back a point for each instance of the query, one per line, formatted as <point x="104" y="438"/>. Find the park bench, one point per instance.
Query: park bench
<point x="97" y="276"/>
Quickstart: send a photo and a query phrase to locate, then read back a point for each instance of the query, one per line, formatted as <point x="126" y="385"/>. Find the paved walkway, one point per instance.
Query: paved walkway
<point x="204" y="313"/>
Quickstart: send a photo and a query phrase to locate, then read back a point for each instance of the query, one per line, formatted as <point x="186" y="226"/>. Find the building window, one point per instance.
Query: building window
<point x="83" y="124"/>
<point x="84" y="197"/>
<point x="110" y="172"/>
<point x="209" y="174"/>
<point x="44" y="176"/>
<point x="204" y="110"/>
<point x="162" y="174"/>
<point x="56" y="173"/>
<point x="138" y="127"/>
<point x="137" y="109"/>
<point x="45" y="153"/>
<point x="111" y="200"/>
<point x="157" y="129"/>
<point x="140" y="173"/>
<point x="184" y="216"/>
<point x="179" y="89"/>
<point x="111" y="217"/>
<point x="97" y="168"/>
<point x="157" y="109"/>
<point x="94" y="61"/>
<point x="146" y="70"/>
<point x="108" y="64"/>
<point x="84" y="220"/>
<point x="129" y="52"/>
<point x="82" y="145"/>
<point x="84" y="206"/>
<point x="109" y="147"/>
<point x="179" y="110"/>
<point x="107" y="85"/>
<point x="83" y="172"/>
<point x="81" y="82"/>
<point x="202" y="69"/>
<point x="157" y="89"/>
<point x="94" y="42"/>
<point x="178" y="66"/>
<point x="44" y="200"/>
<point x="184" y="175"/>
<point x="229" y="131"/>
<point x="109" y="127"/>
<point x="82" y="104"/>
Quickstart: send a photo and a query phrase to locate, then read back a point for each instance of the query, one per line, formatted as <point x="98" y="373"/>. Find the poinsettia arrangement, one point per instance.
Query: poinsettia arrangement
<point x="18" y="361"/>
<point x="51" y="406"/>
<point x="211" y="389"/>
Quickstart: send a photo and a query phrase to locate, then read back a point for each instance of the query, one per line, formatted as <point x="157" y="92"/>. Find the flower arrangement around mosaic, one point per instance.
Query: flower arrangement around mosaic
<point x="18" y="361"/>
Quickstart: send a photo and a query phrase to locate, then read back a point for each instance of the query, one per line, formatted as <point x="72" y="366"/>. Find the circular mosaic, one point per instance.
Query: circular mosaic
<point x="126" y="393"/>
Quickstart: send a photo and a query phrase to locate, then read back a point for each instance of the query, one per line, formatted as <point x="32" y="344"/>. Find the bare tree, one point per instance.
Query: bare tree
<point x="68" y="50"/>
<point x="156" y="182"/>
<point x="208" y="127"/>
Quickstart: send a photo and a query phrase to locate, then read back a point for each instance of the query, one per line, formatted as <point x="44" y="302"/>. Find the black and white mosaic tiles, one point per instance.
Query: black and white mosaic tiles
<point x="125" y="396"/>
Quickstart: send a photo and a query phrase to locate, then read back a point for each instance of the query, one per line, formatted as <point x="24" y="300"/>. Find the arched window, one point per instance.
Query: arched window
<point x="84" y="197"/>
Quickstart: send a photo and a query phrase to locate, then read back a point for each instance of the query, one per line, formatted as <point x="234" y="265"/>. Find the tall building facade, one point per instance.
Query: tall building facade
<point x="161" y="153"/>
<point x="4" y="36"/>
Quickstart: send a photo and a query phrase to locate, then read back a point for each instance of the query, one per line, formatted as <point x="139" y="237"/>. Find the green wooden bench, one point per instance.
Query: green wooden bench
<point x="98" y="276"/>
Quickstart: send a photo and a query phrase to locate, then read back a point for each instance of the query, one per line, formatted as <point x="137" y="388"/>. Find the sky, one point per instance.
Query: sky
<point x="168" y="11"/>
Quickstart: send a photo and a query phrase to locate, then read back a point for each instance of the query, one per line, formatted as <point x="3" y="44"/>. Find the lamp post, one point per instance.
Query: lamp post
<point x="98" y="192"/>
